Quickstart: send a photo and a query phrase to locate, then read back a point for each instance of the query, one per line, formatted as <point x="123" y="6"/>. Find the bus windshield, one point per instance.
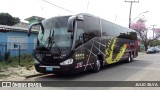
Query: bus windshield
<point x="55" y="34"/>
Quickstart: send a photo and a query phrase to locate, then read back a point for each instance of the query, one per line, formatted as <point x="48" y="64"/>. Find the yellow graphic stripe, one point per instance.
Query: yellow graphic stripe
<point x="109" y="51"/>
<point x="121" y="52"/>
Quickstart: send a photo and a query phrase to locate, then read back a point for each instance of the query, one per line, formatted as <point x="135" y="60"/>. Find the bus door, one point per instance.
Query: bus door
<point x="79" y="47"/>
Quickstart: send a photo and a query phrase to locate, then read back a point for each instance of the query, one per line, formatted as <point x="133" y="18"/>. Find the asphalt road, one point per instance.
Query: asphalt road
<point x="146" y="67"/>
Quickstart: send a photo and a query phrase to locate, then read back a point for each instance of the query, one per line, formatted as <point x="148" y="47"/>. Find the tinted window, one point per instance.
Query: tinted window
<point x="91" y="28"/>
<point x="128" y="35"/>
<point x="79" y="34"/>
<point x="55" y="28"/>
<point x="106" y="28"/>
<point x="111" y="29"/>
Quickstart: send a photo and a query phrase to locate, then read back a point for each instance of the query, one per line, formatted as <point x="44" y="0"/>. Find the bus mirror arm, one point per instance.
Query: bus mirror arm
<point x="42" y="28"/>
<point x="29" y="31"/>
<point x="30" y="28"/>
<point x="71" y="24"/>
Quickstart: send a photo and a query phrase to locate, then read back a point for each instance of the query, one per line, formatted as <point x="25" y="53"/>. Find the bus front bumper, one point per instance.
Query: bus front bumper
<point x="54" y="69"/>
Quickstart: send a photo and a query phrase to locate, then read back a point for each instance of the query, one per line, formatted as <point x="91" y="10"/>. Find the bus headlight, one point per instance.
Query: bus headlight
<point x="67" y="62"/>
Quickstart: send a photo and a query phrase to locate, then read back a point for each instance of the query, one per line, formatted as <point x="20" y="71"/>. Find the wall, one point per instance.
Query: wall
<point x="7" y="43"/>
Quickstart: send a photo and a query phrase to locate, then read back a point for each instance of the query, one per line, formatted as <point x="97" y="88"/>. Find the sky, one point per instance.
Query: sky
<point x="116" y="11"/>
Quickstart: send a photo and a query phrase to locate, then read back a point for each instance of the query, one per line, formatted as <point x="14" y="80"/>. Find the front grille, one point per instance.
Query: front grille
<point x="46" y="57"/>
<point x="39" y="56"/>
<point x="49" y="60"/>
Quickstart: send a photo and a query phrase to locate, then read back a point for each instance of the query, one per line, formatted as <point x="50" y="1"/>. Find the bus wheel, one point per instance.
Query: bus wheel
<point x="132" y="57"/>
<point x="97" y="66"/>
<point x="129" y="59"/>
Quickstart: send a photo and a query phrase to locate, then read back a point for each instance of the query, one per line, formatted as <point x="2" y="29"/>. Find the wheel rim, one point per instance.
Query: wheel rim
<point x="129" y="59"/>
<point x="98" y="65"/>
<point x="132" y="57"/>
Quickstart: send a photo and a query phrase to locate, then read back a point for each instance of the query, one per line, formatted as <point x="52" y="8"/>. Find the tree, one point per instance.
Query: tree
<point x="154" y="43"/>
<point x="141" y="30"/>
<point x="7" y="19"/>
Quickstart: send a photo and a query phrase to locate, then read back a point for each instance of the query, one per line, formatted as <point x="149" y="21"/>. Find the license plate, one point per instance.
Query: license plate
<point x="49" y="69"/>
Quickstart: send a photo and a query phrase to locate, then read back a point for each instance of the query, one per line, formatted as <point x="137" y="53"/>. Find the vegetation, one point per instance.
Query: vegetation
<point x="142" y="31"/>
<point x="7" y="19"/>
<point x="25" y="61"/>
<point x="154" y="43"/>
<point x="7" y="56"/>
<point x="4" y="76"/>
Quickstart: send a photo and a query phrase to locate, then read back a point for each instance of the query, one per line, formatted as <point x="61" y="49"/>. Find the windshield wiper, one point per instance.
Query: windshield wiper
<point x="51" y="41"/>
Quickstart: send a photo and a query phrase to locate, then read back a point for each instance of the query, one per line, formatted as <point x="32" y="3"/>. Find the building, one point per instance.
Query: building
<point x="14" y="38"/>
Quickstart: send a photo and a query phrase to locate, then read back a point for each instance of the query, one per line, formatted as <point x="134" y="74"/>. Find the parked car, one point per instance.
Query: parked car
<point x="157" y="49"/>
<point x="151" y="50"/>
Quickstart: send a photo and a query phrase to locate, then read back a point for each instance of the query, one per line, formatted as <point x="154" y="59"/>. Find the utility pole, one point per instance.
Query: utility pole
<point x="130" y="12"/>
<point x="153" y="29"/>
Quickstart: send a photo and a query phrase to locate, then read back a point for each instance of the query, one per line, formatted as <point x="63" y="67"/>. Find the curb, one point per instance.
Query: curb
<point x="35" y="75"/>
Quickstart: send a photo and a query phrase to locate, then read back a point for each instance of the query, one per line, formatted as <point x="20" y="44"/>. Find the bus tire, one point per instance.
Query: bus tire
<point x="97" y="66"/>
<point x="129" y="59"/>
<point x="132" y="58"/>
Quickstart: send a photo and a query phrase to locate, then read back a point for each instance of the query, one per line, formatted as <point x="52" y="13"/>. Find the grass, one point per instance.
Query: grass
<point x="25" y="61"/>
<point x="3" y="66"/>
<point x="4" y="75"/>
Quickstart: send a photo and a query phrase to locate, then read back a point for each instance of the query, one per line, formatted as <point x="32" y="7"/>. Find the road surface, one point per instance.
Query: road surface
<point x="146" y="67"/>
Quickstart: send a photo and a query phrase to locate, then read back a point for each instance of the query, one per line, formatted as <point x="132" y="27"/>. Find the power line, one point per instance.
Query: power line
<point x="58" y="6"/>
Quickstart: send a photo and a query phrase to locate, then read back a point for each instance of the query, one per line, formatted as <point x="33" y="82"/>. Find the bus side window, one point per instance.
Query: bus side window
<point x="107" y="28"/>
<point x="79" y="34"/>
<point x="88" y="35"/>
<point x="91" y="28"/>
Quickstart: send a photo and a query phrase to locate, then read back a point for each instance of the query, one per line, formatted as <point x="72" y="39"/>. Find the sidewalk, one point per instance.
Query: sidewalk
<point x="141" y="53"/>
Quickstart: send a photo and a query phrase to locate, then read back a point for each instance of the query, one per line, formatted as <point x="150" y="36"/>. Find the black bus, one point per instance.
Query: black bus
<point x="72" y="44"/>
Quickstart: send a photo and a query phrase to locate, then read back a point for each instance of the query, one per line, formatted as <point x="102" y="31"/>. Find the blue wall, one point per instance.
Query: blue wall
<point x="3" y="37"/>
<point x="4" y="43"/>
